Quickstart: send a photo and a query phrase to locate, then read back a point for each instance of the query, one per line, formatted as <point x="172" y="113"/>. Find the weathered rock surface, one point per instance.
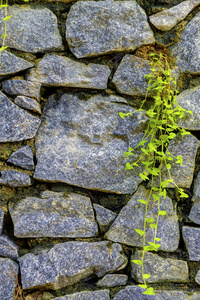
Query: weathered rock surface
<point x="104" y="217"/>
<point x="14" y="178"/>
<point x="15" y="87"/>
<point x="28" y="103"/>
<point x="195" y="296"/>
<point x="31" y="29"/>
<point x="82" y="143"/>
<point x="196" y="190"/>
<point x="115" y="27"/>
<point x="8" y="248"/>
<point x="195" y="213"/>
<point x="8" y="270"/>
<point x="11" y="64"/>
<point x="53" y="215"/>
<point x="1" y="220"/>
<point x="22" y="157"/>
<point x="197" y="277"/>
<point x="54" y="70"/>
<point x="191" y="236"/>
<point x="186" y="52"/>
<point x="68" y="263"/>
<point x="160" y="269"/>
<point x="94" y="295"/>
<point x="16" y="124"/>
<point x="112" y="280"/>
<point x="132" y="217"/>
<point x="168" y="18"/>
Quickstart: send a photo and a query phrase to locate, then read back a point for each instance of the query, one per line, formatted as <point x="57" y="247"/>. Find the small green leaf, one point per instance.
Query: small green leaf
<point x="162" y="213"/>
<point x="149" y="291"/>
<point x="143" y="176"/>
<point x="156" y="197"/>
<point x="7" y="18"/>
<point x="143" y="286"/>
<point x="128" y="166"/>
<point x="122" y="115"/>
<point x="137" y="262"/>
<point x="146" y="276"/>
<point x="150" y="220"/>
<point x="142" y="201"/>
<point x="153" y="226"/>
<point x="140" y="232"/>
<point x="157" y="239"/>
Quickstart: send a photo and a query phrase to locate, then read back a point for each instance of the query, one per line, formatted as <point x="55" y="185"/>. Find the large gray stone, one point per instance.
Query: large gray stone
<point x="191" y="236"/>
<point x="12" y="64"/>
<point x="195" y="213"/>
<point x="94" y="28"/>
<point x="94" y="295"/>
<point x="53" y="215"/>
<point x="16" y="124"/>
<point x="131" y="217"/>
<point x="1" y="220"/>
<point x="82" y="143"/>
<point x="160" y="269"/>
<point x="112" y="280"/>
<point x="28" y="103"/>
<point x="8" y="248"/>
<point x="104" y="217"/>
<point x="31" y="29"/>
<point x="68" y="263"/>
<point x="54" y="70"/>
<point x="168" y="18"/>
<point x="15" y="87"/>
<point x="22" y="157"/>
<point x="197" y="277"/>
<point x="8" y="273"/>
<point x="196" y="191"/>
<point x="186" y="52"/>
<point x="14" y="178"/>
<point x="195" y="296"/>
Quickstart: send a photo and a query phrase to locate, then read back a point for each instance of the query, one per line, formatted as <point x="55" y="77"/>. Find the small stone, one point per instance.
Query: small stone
<point x="194" y="215"/>
<point x="168" y="18"/>
<point x="28" y="103"/>
<point x="8" y="282"/>
<point x="14" y="178"/>
<point x="160" y="269"/>
<point x="191" y="236"/>
<point x="104" y="217"/>
<point x="196" y="191"/>
<point x="54" y="70"/>
<point x="195" y="296"/>
<point x="53" y="215"/>
<point x="95" y="295"/>
<point x="15" y="87"/>
<point x="31" y="29"/>
<point x="132" y="216"/>
<point x="23" y="158"/>
<point x="116" y="27"/>
<point x="112" y="280"/>
<point x="1" y="220"/>
<point x="197" y="277"/>
<point x="68" y="263"/>
<point x="8" y="248"/>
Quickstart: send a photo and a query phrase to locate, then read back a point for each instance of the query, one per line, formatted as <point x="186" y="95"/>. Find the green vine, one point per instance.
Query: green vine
<point x="156" y="158"/>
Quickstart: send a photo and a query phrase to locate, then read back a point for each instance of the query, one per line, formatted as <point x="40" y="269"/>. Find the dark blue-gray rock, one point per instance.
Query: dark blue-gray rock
<point x="131" y="217"/>
<point x="12" y="64"/>
<point x="104" y="217"/>
<point x="112" y="280"/>
<point x="160" y="269"/>
<point x="23" y="158"/>
<point x="68" y="263"/>
<point x="194" y="215"/>
<point x="1" y="220"/>
<point x="196" y="191"/>
<point x="82" y="143"/>
<point x="8" y="248"/>
<point x="94" y="295"/>
<point x="53" y="215"/>
<point x="168" y="18"/>
<point x="8" y="273"/>
<point x="54" y="70"/>
<point x="14" y="178"/>
<point x="186" y="52"/>
<point x="16" y="124"/>
<point x="28" y="103"/>
<point x="129" y="77"/>
<point x="197" y="277"/>
<point x="31" y="29"/>
<point x="191" y="237"/>
<point x="15" y="87"/>
<point x="102" y="27"/>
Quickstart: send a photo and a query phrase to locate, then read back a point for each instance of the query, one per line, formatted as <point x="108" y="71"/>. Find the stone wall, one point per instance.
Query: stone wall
<point x="68" y="209"/>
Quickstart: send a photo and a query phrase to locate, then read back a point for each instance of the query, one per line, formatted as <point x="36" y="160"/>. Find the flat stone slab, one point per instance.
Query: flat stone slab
<point x="191" y="236"/>
<point x="31" y="29"/>
<point x="112" y="280"/>
<point x="132" y="216"/>
<point x="55" y="70"/>
<point x="68" y="263"/>
<point x="95" y="295"/>
<point x="22" y="157"/>
<point x="160" y="269"/>
<point x="115" y="27"/>
<point x="8" y="248"/>
<point x="28" y="103"/>
<point x="186" y="52"/>
<point x="8" y="271"/>
<point x="104" y="217"/>
<point x="16" y="124"/>
<point x="168" y="18"/>
<point x="14" y="178"/>
<point x="82" y="143"/>
<point x="1" y="220"/>
<point x="53" y="215"/>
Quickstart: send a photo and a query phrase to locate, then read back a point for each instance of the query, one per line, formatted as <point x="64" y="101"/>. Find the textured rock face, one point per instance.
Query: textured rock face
<point x="54" y="70"/>
<point x="8" y="248"/>
<point x="195" y="213"/>
<point x="53" y="215"/>
<point x="31" y="29"/>
<point x="104" y="217"/>
<point x="197" y="277"/>
<point x="28" y="103"/>
<point x="191" y="236"/>
<point x="8" y="270"/>
<point x="187" y="50"/>
<point x="82" y="143"/>
<point x="15" y="178"/>
<point x="96" y="295"/>
<point x="117" y="26"/>
<point x="160" y="269"/>
<point x="1" y="220"/>
<point x="23" y="158"/>
<point x="196" y="191"/>
<point x="132" y="216"/>
<point x="112" y="280"/>
<point x="68" y="263"/>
